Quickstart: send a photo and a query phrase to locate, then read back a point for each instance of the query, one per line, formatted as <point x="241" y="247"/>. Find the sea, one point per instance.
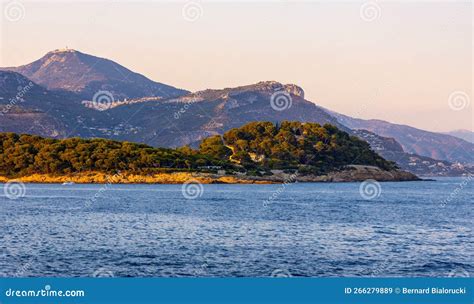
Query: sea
<point x="369" y="229"/>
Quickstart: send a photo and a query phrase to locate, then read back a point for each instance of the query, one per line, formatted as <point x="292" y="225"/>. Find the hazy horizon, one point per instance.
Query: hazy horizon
<point x="400" y="62"/>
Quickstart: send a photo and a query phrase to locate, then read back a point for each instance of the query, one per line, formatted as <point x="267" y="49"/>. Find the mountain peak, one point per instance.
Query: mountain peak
<point x="265" y="87"/>
<point x="66" y="50"/>
<point x="71" y="70"/>
<point x="292" y="89"/>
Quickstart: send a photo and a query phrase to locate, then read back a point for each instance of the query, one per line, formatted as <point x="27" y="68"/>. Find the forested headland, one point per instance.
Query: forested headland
<point x="255" y="149"/>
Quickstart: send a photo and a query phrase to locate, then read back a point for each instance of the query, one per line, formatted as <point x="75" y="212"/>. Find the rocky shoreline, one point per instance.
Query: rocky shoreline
<point x="354" y="173"/>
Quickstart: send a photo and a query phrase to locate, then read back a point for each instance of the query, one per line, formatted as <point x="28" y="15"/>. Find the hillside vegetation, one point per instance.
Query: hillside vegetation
<point x="255" y="148"/>
<point x="306" y="147"/>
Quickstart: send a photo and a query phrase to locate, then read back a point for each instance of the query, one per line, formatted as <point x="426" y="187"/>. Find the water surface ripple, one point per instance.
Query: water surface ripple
<point x="307" y="230"/>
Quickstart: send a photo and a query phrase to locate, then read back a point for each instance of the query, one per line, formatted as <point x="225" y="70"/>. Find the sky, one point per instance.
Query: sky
<point x="407" y="62"/>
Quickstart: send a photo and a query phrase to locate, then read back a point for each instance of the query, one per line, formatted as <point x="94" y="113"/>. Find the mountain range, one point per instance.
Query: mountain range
<point x="413" y="140"/>
<point x="462" y="134"/>
<point x="55" y="97"/>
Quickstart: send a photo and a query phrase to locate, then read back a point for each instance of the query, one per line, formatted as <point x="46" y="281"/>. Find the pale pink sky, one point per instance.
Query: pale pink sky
<point x="400" y="63"/>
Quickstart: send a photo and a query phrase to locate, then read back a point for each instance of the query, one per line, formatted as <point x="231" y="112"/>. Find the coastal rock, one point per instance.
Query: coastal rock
<point x="352" y="173"/>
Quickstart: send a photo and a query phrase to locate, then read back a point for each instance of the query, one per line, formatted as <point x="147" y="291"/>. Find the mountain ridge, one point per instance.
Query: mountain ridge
<point x="86" y="74"/>
<point x="178" y="121"/>
<point x="462" y="134"/>
<point x="188" y="117"/>
<point x="414" y="140"/>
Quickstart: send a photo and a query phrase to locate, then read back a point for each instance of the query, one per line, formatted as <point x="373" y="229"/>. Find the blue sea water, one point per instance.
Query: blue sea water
<point x="403" y="229"/>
